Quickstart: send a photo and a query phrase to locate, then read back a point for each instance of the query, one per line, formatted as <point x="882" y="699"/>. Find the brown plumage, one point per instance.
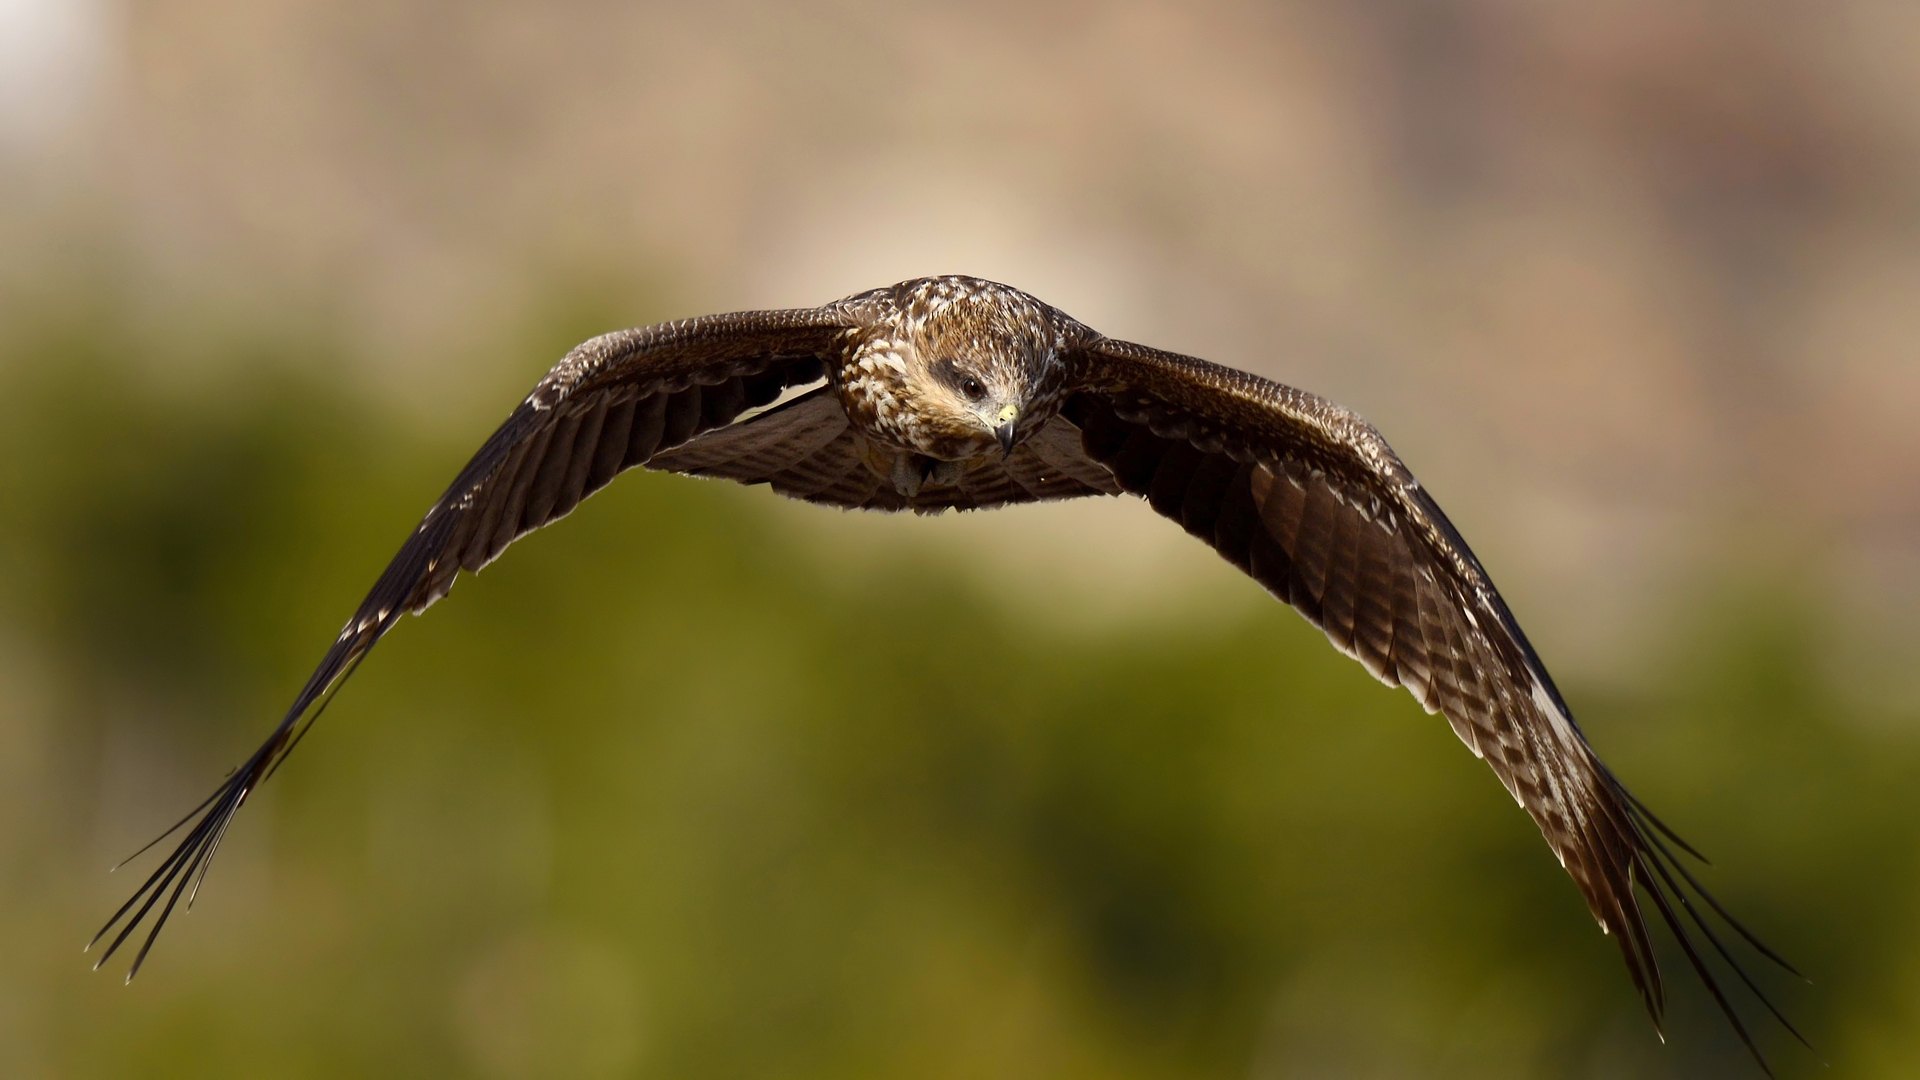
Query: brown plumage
<point x="959" y="393"/>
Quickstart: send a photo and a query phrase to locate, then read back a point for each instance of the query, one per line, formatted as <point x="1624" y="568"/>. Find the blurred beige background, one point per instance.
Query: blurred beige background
<point x="1635" y="286"/>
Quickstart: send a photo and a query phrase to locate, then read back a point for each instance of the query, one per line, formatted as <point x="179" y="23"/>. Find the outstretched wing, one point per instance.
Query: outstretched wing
<point x="612" y="403"/>
<point x="1306" y="498"/>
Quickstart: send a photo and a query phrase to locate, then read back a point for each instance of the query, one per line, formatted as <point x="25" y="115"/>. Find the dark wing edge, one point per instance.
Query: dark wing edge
<point x="609" y="405"/>
<point x="1308" y="499"/>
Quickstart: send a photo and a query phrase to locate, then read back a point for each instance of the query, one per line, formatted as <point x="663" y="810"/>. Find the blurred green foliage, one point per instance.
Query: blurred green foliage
<point x="669" y="793"/>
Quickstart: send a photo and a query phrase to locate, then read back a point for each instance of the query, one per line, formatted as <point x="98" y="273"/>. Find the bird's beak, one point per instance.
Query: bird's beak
<point x="1004" y="426"/>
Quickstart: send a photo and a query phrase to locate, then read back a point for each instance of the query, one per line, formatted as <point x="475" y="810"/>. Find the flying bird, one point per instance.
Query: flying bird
<point x="958" y="393"/>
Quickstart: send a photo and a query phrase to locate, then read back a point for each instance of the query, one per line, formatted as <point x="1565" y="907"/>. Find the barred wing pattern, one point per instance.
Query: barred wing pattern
<point x="806" y="449"/>
<point x="1308" y="499"/>
<point x="1299" y="493"/>
<point x="612" y="403"/>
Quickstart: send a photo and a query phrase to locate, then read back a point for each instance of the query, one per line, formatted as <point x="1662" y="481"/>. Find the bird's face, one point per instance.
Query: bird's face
<point x="975" y="366"/>
<point x="976" y="397"/>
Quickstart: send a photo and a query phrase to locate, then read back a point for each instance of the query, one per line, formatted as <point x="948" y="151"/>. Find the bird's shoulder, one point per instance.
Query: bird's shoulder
<point x="1183" y="396"/>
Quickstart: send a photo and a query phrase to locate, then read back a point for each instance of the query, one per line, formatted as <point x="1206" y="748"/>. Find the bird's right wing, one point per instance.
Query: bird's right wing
<point x="612" y="403"/>
<point x="1308" y="499"/>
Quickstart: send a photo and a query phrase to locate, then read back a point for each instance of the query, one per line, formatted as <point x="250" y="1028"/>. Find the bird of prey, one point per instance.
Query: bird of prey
<point x="959" y="393"/>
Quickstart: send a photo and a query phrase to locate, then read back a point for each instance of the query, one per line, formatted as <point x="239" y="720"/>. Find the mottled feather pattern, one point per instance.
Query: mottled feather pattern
<point x="1310" y="501"/>
<point x="959" y="393"/>
<point x="1331" y="544"/>
<point x="653" y="384"/>
<point x="886" y="378"/>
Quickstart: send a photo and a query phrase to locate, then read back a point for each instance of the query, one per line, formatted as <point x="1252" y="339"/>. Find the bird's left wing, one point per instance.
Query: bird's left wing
<point x="1307" y="498"/>
<point x="611" y="404"/>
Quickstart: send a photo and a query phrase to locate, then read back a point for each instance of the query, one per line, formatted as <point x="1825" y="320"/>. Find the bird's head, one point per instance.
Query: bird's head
<point x="977" y="367"/>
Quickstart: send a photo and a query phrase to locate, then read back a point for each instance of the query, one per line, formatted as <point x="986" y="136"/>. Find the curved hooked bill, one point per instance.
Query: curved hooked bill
<point x="1005" y="427"/>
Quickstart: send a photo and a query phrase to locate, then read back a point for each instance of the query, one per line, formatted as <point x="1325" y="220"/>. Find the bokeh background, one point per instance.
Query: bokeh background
<point x="703" y="784"/>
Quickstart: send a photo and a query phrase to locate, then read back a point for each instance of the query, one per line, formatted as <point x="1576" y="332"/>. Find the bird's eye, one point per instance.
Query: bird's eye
<point x="973" y="388"/>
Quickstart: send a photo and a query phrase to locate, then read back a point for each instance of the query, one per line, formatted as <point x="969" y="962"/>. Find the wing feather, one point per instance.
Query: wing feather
<point x="544" y="494"/>
<point x="1411" y="667"/>
<point x="482" y="549"/>
<point x="1314" y="546"/>
<point x="610" y="404"/>
<point x="615" y="433"/>
<point x="586" y="447"/>
<point x="1055" y="451"/>
<point x="649" y="428"/>
<point x="805" y="449"/>
<point x="682" y="418"/>
<point x="776" y="440"/>
<point x="1308" y="500"/>
<point x="1372" y="601"/>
